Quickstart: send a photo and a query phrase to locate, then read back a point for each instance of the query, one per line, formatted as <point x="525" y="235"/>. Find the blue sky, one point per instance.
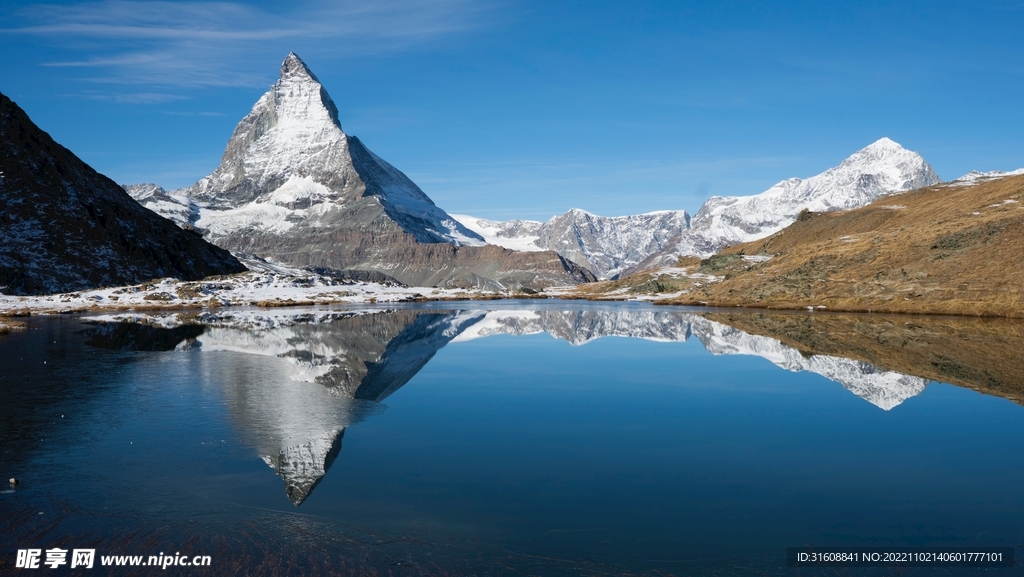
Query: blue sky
<point x="525" y="109"/>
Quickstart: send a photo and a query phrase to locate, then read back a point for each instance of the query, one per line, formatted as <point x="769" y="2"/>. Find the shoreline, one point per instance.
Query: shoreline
<point x="9" y="315"/>
<point x="880" y="309"/>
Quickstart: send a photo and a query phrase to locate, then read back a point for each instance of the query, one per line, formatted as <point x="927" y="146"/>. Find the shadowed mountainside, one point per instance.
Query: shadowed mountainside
<point x="65" y="227"/>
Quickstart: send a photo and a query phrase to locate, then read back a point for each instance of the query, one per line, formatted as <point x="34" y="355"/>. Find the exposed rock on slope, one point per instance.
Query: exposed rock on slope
<point x="65" y="227"/>
<point x="292" y="187"/>
<point x="949" y="249"/>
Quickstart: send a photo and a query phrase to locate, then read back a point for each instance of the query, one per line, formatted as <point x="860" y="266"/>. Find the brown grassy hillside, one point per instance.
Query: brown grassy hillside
<point x="942" y="249"/>
<point x="980" y="354"/>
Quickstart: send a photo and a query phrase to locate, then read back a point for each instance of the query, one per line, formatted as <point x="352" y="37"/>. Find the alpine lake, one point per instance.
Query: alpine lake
<point x="528" y="437"/>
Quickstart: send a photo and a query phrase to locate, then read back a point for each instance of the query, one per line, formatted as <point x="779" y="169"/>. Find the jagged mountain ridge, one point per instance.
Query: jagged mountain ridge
<point x="606" y="245"/>
<point x="65" y="227"/>
<point x="619" y="246"/>
<point x="294" y="188"/>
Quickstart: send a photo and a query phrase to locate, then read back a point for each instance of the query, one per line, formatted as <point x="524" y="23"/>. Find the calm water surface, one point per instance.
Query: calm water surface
<point x="510" y="438"/>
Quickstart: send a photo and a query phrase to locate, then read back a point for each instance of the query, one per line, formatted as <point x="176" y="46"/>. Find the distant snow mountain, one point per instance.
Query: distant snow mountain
<point x="175" y="205"/>
<point x="294" y="188"/>
<point x="616" y="246"/>
<point x="606" y="245"/>
<point x="879" y="169"/>
<point x="977" y="177"/>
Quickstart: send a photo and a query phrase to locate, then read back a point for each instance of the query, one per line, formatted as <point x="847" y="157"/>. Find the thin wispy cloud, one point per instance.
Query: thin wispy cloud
<point x="198" y="44"/>
<point x="137" y="97"/>
<point x="188" y="113"/>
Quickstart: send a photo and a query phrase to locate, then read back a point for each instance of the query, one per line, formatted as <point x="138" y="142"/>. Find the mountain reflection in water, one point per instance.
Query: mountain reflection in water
<point x="332" y="369"/>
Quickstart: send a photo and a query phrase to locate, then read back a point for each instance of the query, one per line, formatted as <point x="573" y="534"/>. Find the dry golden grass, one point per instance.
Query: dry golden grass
<point x="939" y="250"/>
<point x="643" y="283"/>
<point x="8" y="325"/>
<point x="649" y="283"/>
<point x="980" y="354"/>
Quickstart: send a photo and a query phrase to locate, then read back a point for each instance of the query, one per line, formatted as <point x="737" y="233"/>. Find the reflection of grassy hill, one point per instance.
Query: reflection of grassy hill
<point x="941" y="249"/>
<point x="980" y="354"/>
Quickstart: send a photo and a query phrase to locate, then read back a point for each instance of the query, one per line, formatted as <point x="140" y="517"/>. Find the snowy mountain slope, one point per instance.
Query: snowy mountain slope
<point x="882" y="168"/>
<point x="290" y="155"/>
<point x="608" y="245"/>
<point x="879" y="169"/>
<point x="977" y="177"/>
<point x="511" y="234"/>
<point x="64" y="227"/>
<point x="294" y="189"/>
<point x="175" y="205"/>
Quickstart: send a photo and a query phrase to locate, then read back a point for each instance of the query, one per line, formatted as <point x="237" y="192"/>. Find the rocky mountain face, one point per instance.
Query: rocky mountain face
<point x="619" y="246"/>
<point x="65" y="227"/>
<point x="293" y="188"/>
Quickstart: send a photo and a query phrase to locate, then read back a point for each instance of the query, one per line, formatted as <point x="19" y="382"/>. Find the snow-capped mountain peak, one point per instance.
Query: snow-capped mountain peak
<point x="289" y="166"/>
<point x="291" y="131"/>
<point x="295" y="189"/>
<point x="879" y="169"/>
<point x="293" y="66"/>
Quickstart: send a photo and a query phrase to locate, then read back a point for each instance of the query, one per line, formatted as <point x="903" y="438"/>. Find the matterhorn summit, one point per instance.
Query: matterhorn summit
<point x="294" y="188"/>
<point x="291" y="152"/>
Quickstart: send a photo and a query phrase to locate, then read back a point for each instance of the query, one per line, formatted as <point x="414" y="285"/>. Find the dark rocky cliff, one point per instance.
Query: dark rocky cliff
<point x="65" y="227"/>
